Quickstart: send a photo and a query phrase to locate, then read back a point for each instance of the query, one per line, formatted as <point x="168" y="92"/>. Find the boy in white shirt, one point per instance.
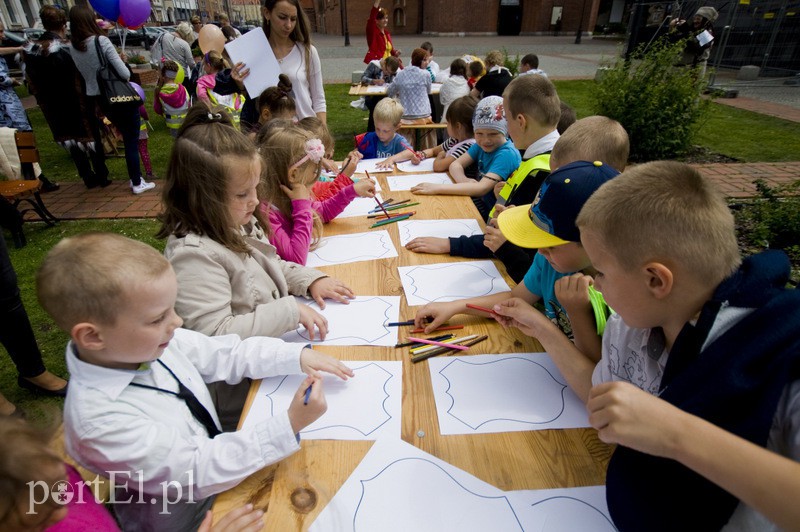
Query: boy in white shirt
<point x="138" y="410"/>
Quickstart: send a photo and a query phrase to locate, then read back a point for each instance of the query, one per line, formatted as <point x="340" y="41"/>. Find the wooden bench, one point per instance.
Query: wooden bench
<point x="420" y="130"/>
<point x="26" y="191"/>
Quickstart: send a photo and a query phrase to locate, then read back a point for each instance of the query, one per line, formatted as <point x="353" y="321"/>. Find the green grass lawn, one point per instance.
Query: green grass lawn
<point x="743" y="135"/>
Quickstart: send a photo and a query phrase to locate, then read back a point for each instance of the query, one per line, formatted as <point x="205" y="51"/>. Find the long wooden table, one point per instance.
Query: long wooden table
<point x="364" y="90"/>
<point x="294" y="491"/>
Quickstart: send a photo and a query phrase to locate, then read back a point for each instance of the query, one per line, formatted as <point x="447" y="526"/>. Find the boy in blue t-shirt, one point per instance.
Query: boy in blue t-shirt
<point x="549" y="225"/>
<point x="385" y="141"/>
<point x="495" y="154"/>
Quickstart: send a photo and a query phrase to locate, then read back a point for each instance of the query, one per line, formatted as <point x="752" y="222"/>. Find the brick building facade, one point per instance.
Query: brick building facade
<point x="531" y="17"/>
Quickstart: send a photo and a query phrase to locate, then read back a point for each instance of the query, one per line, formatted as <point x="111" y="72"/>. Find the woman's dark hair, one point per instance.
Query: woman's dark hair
<point x="458" y="68"/>
<point x="53" y="18"/>
<point x="301" y="32"/>
<point x="229" y="33"/>
<point x="82" y="25"/>
<point x="381" y="14"/>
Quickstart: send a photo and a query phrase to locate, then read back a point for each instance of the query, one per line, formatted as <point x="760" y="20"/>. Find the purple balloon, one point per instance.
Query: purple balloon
<point x="134" y="12"/>
<point x="108" y="8"/>
<point x="138" y="88"/>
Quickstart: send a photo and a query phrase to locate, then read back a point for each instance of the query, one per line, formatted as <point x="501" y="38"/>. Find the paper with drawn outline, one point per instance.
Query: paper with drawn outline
<point x="354" y="247"/>
<point x="563" y="510"/>
<point x="363" y="321"/>
<point x="398" y="487"/>
<point x="450" y="281"/>
<point x="368" y="165"/>
<point x="364" y="407"/>
<point x="408" y="181"/>
<point x="480" y="394"/>
<point x="425" y="165"/>
<point x="358" y="207"/>
<point x="411" y="229"/>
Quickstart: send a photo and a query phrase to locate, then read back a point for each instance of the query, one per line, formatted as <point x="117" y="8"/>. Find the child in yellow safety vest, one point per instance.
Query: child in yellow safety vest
<point x="213" y="62"/>
<point x="171" y="97"/>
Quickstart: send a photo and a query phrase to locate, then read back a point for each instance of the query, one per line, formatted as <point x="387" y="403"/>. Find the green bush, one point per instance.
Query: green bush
<point x="658" y="103"/>
<point x="511" y="63"/>
<point x="772" y="220"/>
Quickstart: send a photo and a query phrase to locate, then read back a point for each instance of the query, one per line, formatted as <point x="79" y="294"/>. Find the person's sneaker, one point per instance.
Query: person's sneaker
<point x="144" y="186"/>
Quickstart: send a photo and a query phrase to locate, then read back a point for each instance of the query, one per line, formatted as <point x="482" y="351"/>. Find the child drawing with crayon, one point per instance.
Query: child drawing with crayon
<point x="293" y="159"/>
<point x="385" y="141"/>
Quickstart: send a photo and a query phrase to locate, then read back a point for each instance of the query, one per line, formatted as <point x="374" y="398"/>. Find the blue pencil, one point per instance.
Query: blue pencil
<point x="308" y="394"/>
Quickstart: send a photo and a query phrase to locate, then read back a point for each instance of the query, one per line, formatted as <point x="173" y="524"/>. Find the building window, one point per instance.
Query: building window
<point x="399" y="17"/>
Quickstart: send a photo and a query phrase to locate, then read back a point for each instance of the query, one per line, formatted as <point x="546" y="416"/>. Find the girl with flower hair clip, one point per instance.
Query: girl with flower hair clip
<point x="293" y="160"/>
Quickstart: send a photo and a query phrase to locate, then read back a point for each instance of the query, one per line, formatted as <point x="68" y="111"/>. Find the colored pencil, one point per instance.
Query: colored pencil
<point x="425" y="349"/>
<point x="400" y="323"/>
<point x="442" y="328"/>
<point x="400" y="206"/>
<point x="390" y="220"/>
<point x="388" y="203"/>
<point x="440" y="344"/>
<point x="308" y="394"/>
<point x="438" y="338"/>
<point x="346" y="164"/>
<point x="392" y="215"/>
<point x="482" y="309"/>
<point x="429" y="354"/>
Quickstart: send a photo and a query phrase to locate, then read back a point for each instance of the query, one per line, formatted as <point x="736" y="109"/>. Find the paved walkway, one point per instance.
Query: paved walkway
<point x="75" y="202"/>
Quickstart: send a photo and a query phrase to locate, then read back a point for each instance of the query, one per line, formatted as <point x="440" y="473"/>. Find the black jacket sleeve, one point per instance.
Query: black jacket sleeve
<point x="469" y="246"/>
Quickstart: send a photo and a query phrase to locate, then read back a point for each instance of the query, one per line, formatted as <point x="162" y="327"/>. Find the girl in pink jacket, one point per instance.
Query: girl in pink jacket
<point x="293" y="160"/>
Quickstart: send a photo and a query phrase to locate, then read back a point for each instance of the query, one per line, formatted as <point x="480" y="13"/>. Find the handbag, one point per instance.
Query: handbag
<point x="115" y="91"/>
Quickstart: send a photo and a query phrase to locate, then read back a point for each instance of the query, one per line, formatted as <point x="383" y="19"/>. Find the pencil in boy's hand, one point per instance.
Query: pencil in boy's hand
<point x="308" y="394"/>
<point x="482" y="309"/>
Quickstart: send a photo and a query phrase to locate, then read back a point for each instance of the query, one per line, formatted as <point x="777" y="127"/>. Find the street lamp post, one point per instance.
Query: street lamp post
<point x="580" y="24"/>
<point x="345" y="30"/>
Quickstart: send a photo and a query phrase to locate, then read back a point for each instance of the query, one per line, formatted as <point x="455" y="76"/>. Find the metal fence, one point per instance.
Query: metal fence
<point x="764" y="33"/>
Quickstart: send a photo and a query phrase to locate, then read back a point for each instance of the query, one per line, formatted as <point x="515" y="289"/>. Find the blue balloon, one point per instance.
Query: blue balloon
<point x="108" y="8"/>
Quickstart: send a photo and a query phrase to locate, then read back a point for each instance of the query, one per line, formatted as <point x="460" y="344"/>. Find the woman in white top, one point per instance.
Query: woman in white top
<point x="454" y="87"/>
<point x="288" y="31"/>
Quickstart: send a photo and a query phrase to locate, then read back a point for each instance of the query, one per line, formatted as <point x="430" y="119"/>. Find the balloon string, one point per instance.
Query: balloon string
<point x="122" y="36"/>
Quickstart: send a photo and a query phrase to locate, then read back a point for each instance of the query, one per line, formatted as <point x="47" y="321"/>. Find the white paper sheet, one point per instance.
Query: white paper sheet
<point x="253" y="50"/>
<point x="398" y="487"/>
<point x="376" y="89"/>
<point x="450" y="281"/>
<point x="563" y="510"/>
<point x="365" y="407"/>
<point x="425" y="165"/>
<point x="361" y="322"/>
<point x="368" y="165"/>
<point x="405" y="182"/>
<point x="411" y="229"/>
<point x="358" y="207"/>
<point x="436" y="88"/>
<point x="356" y="247"/>
<point x="481" y="394"/>
<point x="704" y="38"/>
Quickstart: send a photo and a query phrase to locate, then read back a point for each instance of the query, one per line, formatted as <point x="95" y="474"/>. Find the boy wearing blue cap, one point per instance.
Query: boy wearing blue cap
<point x="495" y="154"/>
<point x="559" y="277"/>
<point x="700" y="366"/>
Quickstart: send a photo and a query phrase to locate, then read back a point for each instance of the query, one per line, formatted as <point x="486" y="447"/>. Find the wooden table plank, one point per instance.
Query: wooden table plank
<point x="294" y="491"/>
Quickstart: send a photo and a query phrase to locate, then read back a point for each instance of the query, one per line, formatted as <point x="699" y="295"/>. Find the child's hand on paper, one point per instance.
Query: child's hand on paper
<point x="310" y="318"/>
<point x="365" y="188"/>
<point x="298" y="191"/>
<point x="433" y="315"/>
<point x="386" y="163"/>
<point x="312" y="362"/>
<point x="572" y="292"/>
<point x="425" y="188"/>
<point x="516" y="312"/>
<point x="330" y="288"/>
<point x="629" y="416"/>
<point x="429" y="244"/>
<point x="302" y="415"/>
<point x="243" y="519"/>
